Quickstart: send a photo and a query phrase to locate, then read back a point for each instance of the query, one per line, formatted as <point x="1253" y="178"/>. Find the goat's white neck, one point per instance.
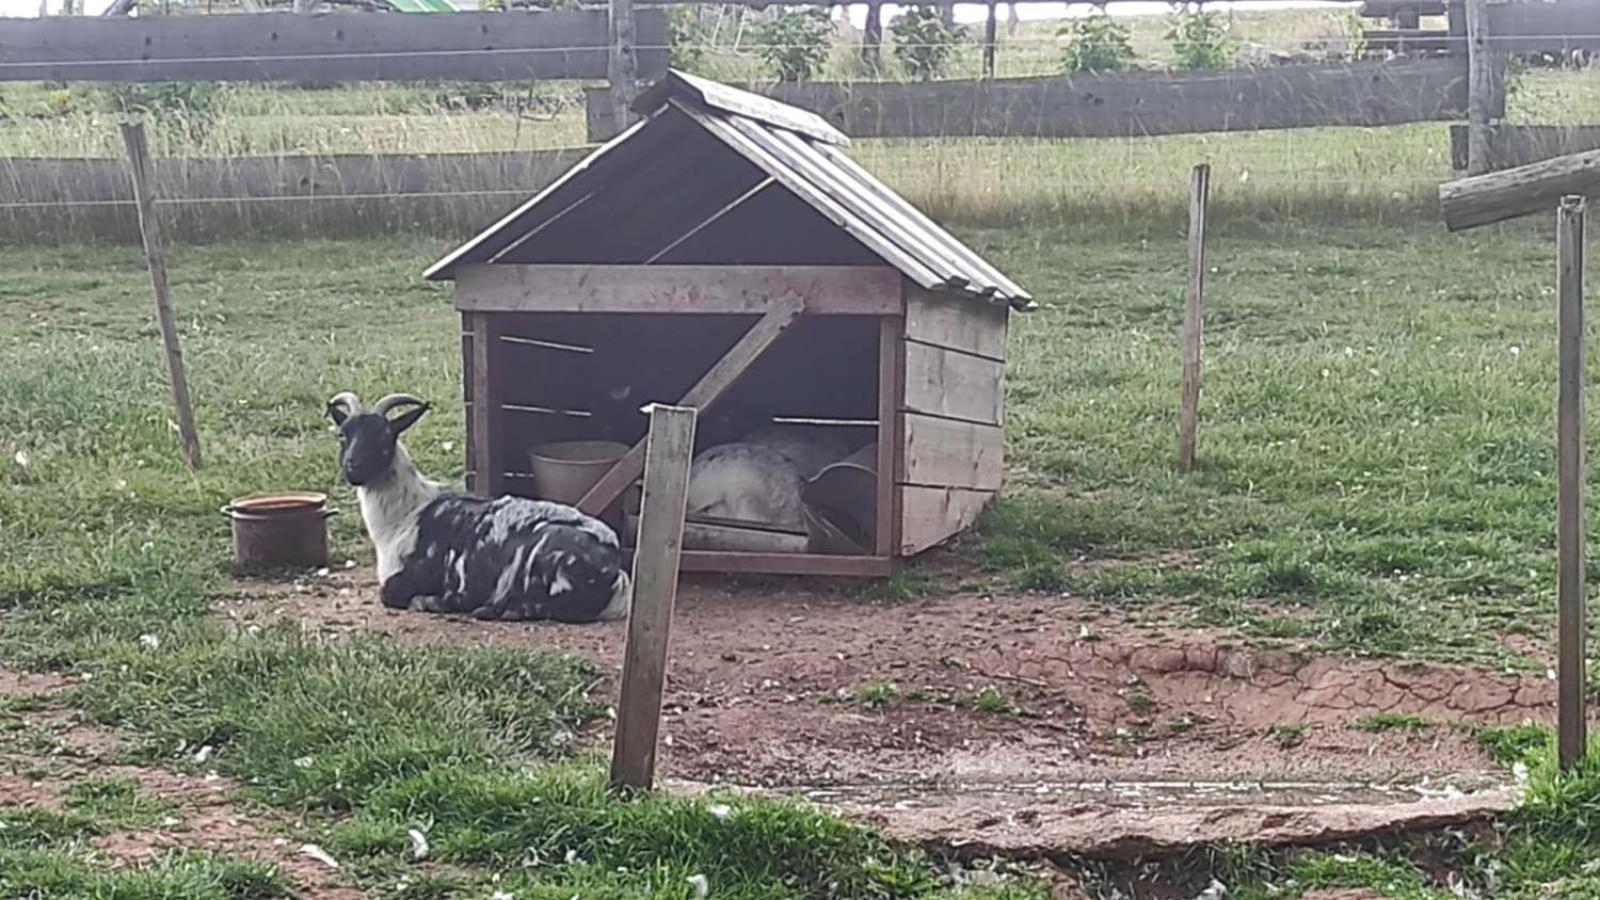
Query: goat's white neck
<point x="389" y="508"/>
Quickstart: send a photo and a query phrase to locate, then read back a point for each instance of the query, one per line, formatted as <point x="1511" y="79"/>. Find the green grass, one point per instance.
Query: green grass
<point x="875" y="694"/>
<point x="1382" y="722"/>
<point x="1375" y="477"/>
<point x="109" y="540"/>
<point x="118" y="801"/>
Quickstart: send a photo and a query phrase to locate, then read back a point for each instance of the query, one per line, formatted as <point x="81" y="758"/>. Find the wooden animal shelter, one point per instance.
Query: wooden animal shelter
<point x="724" y="253"/>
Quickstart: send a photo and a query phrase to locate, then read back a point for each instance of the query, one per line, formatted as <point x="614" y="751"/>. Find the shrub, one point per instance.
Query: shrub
<point x="1199" y="41"/>
<point x="187" y="108"/>
<point x="686" y="43"/>
<point x="795" y="43"/>
<point x="1097" y="44"/>
<point x="923" y="42"/>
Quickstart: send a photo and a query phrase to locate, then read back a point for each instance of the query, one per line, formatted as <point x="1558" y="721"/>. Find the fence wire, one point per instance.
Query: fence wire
<point x="322" y="137"/>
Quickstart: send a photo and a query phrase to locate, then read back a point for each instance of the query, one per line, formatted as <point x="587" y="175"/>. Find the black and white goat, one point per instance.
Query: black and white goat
<point x="442" y="551"/>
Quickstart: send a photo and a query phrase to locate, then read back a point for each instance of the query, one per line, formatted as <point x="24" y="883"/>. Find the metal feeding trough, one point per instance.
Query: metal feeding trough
<point x="279" y="531"/>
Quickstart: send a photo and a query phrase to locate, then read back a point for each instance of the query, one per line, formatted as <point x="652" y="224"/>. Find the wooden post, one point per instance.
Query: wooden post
<point x="711" y="386"/>
<point x="488" y="378"/>
<point x="991" y="28"/>
<point x="1570" y="530"/>
<point x="155" y="257"/>
<point x="1193" y="324"/>
<point x="1480" y="86"/>
<point x="622" y="67"/>
<point x="655" y="585"/>
<point x="1524" y="190"/>
<point x="872" y="47"/>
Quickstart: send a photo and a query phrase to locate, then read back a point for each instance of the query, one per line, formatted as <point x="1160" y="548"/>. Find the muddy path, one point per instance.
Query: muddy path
<point x="779" y="686"/>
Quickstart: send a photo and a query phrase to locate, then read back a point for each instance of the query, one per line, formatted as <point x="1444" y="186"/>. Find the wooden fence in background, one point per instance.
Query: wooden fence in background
<point x="1518" y="145"/>
<point x="450" y="195"/>
<point x="324" y="49"/>
<point x="1139" y="104"/>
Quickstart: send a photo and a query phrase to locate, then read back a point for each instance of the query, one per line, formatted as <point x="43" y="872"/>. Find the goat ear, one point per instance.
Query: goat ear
<point x="405" y="420"/>
<point x="337" y="413"/>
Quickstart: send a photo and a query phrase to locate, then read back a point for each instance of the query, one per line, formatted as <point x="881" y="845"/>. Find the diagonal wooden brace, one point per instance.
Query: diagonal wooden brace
<point x="710" y="388"/>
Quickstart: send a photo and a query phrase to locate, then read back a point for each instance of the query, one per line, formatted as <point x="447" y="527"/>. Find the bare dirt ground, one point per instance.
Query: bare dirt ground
<point x="1027" y="724"/>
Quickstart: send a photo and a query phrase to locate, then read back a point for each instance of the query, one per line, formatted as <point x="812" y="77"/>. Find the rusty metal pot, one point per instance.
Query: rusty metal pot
<point x="278" y="531"/>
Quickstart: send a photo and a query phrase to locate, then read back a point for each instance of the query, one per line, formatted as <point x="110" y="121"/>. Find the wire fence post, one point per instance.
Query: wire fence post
<point x="1570" y="530"/>
<point x="622" y="66"/>
<point x="991" y="29"/>
<point x="1193" y="321"/>
<point x="140" y="169"/>
<point x="1480" y="86"/>
<point x="655" y="585"/>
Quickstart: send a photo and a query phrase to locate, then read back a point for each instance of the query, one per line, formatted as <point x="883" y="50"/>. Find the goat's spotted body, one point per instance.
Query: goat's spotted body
<point x="512" y="558"/>
<point x="442" y="551"/>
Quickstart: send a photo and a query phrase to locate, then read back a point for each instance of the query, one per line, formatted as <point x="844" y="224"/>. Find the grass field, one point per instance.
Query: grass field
<point x="1376" y="459"/>
<point x="1375" y="478"/>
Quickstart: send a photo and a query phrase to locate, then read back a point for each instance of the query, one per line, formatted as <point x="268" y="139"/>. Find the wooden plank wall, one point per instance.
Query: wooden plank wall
<point x="1518" y="145"/>
<point x="1529" y="26"/>
<point x="951" y="416"/>
<point x="274" y="197"/>
<point x="323" y="49"/>
<point x="1137" y="104"/>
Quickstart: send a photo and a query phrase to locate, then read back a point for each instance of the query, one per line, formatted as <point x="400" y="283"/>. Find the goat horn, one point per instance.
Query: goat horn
<point x="382" y="407"/>
<point x="348" y="400"/>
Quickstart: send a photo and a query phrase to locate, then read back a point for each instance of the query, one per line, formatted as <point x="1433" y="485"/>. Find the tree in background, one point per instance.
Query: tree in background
<point x="1199" y="41"/>
<point x="923" y="42"/>
<point x="795" y="43"/>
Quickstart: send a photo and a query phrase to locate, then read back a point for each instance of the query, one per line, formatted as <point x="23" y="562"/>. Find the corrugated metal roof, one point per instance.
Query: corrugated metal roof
<point x="803" y="154"/>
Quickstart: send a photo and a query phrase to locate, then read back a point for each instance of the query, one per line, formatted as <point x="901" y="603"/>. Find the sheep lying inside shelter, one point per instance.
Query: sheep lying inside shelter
<point x="759" y="479"/>
<point x="442" y="551"/>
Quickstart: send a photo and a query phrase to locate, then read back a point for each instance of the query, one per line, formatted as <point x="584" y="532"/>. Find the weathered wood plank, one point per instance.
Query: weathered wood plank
<point x="156" y="260"/>
<point x="734" y="563"/>
<point x="655" y="586"/>
<point x="711" y="386"/>
<point x="954" y="385"/>
<point x="1497" y="196"/>
<point x="1571" y="534"/>
<point x="1139" y="104"/>
<point x="1519" y="145"/>
<point x="282" y="196"/>
<point x="891" y="437"/>
<point x="826" y="290"/>
<point x="1535" y="27"/>
<point x="488" y="419"/>
<point x="1385" y="9"/>
<point x="1193" y="323"/>
<point x="960" y="323"/>
<point x="1480" y="85"/>
<point x="930" y="515"/>
<point x="322" y="49"/>
<point x="948" y="453"/>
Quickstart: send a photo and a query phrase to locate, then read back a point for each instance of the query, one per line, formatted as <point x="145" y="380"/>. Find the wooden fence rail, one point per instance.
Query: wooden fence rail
<point x="1357" y="94"/>
<point x="323" y="49"/>
<point x="449" y="195"/>
<point x="1517" y="145"/>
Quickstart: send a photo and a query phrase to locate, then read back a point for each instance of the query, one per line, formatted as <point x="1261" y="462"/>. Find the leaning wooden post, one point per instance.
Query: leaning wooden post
<point x="1193" y="324"/>
<point x="622" y="66"/>
<point x="1570" y="532"/>
<point x="655" y="585"/>
<point x="991" y="34"/>
<point x="1480" y="86"/>
<point x="155" y="256"/>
